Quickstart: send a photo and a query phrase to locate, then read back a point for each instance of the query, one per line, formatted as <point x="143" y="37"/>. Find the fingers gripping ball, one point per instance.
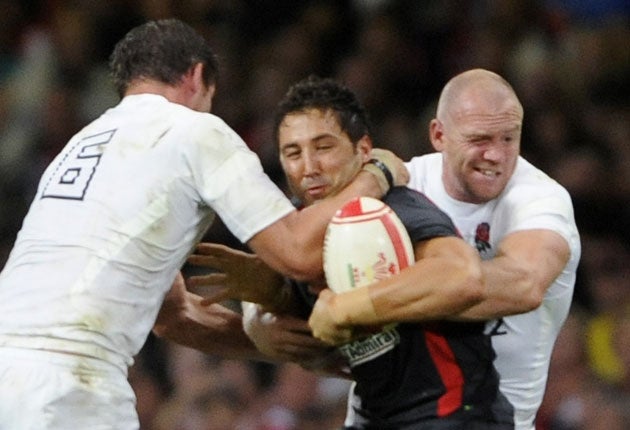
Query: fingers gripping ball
<point x="365" y="242"/>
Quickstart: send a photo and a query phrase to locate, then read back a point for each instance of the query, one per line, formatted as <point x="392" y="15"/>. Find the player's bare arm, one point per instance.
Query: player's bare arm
<point x="238" y="275"/>
<point x="282" y="336"/>
<point x="298" y="254"/>
<point x="526" y="264"/>
<point x="213" y="329"/>
<point x="447" y="276"/>
<point x="267" y="322"/>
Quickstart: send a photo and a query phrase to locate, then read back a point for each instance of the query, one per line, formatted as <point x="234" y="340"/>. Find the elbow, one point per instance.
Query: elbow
<point x="529" y="291"/>
<point x="476" y="289"/>
<point x="468" y="287"/>
<point x="467" y="280"/>
<point x="534" y="296"/>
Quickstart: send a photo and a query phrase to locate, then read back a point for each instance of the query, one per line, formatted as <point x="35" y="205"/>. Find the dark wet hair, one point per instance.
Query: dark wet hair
<point x="163" y="50"/>
<point x="325" y="94"/>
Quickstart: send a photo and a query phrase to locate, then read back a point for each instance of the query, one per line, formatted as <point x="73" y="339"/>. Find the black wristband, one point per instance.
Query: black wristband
<point x="383" y="168"/>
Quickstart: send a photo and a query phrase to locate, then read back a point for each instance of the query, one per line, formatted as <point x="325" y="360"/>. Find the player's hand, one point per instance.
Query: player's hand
<point x="282" y="337"/>
<point x="176" y="308"/>
<point x="396" y="166"/>
<point x="323" y="322"/>
<point x="240" y="275"/>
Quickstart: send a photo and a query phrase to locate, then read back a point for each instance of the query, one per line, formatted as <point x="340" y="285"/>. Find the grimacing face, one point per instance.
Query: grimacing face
<point x="480" y="144"/>
<point x="317" y="157"/>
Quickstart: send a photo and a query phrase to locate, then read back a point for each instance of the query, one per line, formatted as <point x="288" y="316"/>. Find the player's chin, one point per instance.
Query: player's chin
<point x="486" y="191"/>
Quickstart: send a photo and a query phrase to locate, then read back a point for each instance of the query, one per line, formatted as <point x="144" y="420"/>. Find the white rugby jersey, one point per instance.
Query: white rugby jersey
<point x="114" y="218"/>
<point x="531" y="200"/>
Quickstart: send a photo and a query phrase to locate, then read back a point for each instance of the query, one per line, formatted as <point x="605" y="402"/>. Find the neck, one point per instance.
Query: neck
<point x="150" y="86"/>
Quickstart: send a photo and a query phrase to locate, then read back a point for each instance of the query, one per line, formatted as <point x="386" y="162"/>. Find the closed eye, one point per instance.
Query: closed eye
<point x="477" y="140"/>
<point x="291" y="151"/>
<point x="292" y="154"/>
<point x="325" y="147"/>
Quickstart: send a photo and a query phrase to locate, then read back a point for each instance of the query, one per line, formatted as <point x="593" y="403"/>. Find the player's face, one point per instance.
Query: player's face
<point x="480" y="143"/>
<point x="317" y="157"/>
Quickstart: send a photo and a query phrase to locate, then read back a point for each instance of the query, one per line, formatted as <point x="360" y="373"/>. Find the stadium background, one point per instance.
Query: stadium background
<point x="569" y="62"/>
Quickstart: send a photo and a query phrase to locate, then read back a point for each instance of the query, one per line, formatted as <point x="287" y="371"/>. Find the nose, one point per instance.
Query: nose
<point x="311" y="164"/>
<point x="493" y="153"/>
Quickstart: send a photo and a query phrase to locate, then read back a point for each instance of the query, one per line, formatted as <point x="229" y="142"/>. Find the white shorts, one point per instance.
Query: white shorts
<point x="42" y="390"/>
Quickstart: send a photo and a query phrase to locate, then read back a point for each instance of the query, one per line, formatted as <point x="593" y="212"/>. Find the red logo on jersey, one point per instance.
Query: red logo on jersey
<point x="482" y="237"/>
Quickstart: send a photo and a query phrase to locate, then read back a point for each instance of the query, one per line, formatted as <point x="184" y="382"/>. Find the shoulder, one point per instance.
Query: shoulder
<point x="205" y="124"/>
<point x="425" y="160"/>
<point x="533" y="200"/>
<point x="422" y="218"/>
<point x="529" y="183"/>
<point x="424" y="163"/>
<point x="423" y="171"/>
<point x="401" y="196"/>
<point x="528" y="175"/>
<point x="203" y="131"/>
<point x="183" y="117"/>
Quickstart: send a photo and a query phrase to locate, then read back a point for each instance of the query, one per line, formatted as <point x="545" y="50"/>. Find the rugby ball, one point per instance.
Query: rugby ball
<point x="365" y="242"/>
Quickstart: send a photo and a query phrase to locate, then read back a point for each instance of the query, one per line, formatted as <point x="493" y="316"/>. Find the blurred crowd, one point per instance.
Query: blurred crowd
<point x="568" y="60"/>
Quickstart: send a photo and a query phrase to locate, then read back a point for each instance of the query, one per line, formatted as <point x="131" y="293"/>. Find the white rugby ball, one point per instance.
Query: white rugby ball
<point x="365" y="242"/>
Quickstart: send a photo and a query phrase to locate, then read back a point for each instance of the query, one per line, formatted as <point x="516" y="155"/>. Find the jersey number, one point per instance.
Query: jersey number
<point x="72" y="176"/>
<point x="496" y="329"/>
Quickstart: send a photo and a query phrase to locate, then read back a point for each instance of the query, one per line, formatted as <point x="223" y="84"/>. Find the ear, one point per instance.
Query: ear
<point x="436" y="134"/>
<point x="192" y="80"/>
<point x="364" y="147"/>
<point x="196" y="73"/>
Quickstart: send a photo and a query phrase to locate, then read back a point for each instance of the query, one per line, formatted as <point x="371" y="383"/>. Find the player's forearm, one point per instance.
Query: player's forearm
<point x="511" y="290"/>
<point x="526" y="265"/>
<point x="298" y="254"/>
<point x="214" y="330"/>
<point x="283" y="301"/>
<point x="433" y="288"/>
<point x="310" y="240"/>
<point x="269" y="290"/>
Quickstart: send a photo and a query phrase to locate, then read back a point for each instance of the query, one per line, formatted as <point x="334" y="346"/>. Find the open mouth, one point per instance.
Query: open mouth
<point x="488" y="173"/>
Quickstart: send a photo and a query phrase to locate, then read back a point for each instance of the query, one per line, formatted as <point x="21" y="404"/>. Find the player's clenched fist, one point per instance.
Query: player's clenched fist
<point x="396" y="166"/>
<point x="326" y="323"/>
